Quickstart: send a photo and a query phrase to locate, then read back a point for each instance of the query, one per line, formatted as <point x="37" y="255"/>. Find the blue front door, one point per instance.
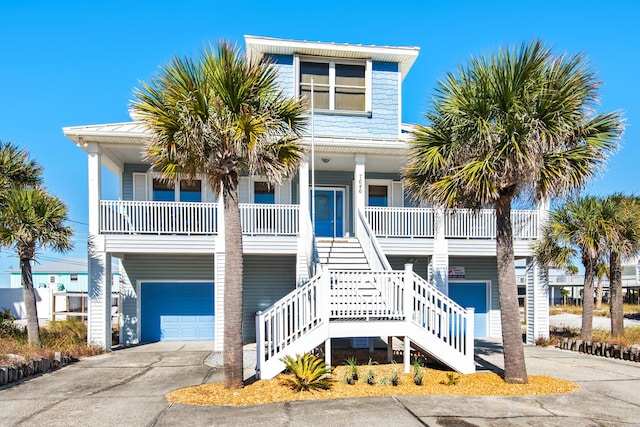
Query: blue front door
<point x="472" y="294"/>
<point x="329" y="212"/>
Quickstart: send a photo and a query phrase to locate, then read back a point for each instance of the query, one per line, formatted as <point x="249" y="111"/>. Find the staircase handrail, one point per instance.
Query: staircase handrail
<point x="372" y="250"/>
<point x="431" y="308"/>
<point x="290" y="318"/>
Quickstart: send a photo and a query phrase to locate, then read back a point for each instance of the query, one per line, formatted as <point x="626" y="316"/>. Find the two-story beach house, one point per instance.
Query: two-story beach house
<point x="338" y="250"/>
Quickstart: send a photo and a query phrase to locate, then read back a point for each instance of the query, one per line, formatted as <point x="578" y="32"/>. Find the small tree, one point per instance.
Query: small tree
<point x="33" y="219"/>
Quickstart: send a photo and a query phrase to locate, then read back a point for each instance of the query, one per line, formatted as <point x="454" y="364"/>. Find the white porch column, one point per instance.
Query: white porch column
<point x="302" y="263"/>
<point x="99" y="262"/>
<point x="359" y="191"/>
<point x="303" y="187"/>
<point x="219" y="273"/>
<point x="95" y="185"/>
<point x="440" y="259"/>
<point x="537" y="313"/>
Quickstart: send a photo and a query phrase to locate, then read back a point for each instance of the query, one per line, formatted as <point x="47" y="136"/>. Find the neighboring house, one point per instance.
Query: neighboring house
<point x="61" y="287"/>
<point x="573" y="284"/>
<point x="68" y="275"/>
<point x="169" y="239"/>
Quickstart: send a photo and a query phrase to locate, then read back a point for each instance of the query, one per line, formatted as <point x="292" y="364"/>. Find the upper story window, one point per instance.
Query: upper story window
<point x="339" y="86"/>
<point x="262" y="193"/>
<point x="378" y="195"/>
<point x="187" y="191"/>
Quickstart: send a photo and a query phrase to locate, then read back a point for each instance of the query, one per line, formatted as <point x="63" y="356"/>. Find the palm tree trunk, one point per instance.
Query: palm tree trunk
<point x="615" y="288"/>
<point x="587" y="299"/>
<point x="515" y="370"/>
<point x="33" y="327"/>
<point x="233" y="266"/>
<point x="599" y="292"/>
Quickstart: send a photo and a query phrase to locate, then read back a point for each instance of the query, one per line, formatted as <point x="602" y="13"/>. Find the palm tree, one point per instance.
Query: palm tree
<point x="33" y="219"/>
<point x="220" y="117"/>
<point x="623" y="238"/>
<point x="602" y="269"/>
<point x="576" y="228"/>
<point x="516" y="124"/>
<point x="16" y="169"/>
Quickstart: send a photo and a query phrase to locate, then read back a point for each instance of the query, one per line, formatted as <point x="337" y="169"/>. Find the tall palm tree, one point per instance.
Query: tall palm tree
<point x="576" y="228"/>
<point x="219" y="117"/>
<point x="623" y="238"/>
<point x="33" y="219"/>
<point x="602" y="269"/>
<point x="16" y="169"/>
<point x="514" y="124"/>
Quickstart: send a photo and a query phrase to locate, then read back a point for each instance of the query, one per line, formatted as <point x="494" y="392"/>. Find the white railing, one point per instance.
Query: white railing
<point x="461" y="223"/>
<point x="135" y="217"/>
<point x="290" y="319"/>
<point x="403" y="298"/>
<point x="375" y="256"/>
<point x="366" y="295"/>
<point x="260" y="219"/>
<point x="400" y="222"/>
<point x="442" y="317"/>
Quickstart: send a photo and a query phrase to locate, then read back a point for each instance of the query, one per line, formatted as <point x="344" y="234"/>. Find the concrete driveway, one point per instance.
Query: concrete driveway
<point x="127" y="387"/>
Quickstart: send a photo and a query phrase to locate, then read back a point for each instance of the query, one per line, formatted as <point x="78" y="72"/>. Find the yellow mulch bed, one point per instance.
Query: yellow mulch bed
<point x="272" y="391"/>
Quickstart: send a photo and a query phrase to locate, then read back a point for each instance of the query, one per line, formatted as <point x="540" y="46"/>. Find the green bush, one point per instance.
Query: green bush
<point x="417" y="372"/>
<point x="8" y="328"/>
<point x="307" y="373"/>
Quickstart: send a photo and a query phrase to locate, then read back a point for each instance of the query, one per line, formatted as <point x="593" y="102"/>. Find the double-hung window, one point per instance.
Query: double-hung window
<point x="186" y="191"/>
<point x="339" y="86"/>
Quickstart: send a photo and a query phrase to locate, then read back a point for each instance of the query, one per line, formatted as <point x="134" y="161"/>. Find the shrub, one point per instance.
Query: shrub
<point x="353" y="367"/>
<point x="307" y="373"/>
<point x="370" y="378"/>
<point x="8" y="328"/>
<point x="452" y="379"/>
<point x="417" y="372"/>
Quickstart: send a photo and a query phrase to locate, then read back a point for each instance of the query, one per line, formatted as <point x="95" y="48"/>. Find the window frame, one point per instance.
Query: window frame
<point x="366" y="63"/>
<point x="176" y="188"/>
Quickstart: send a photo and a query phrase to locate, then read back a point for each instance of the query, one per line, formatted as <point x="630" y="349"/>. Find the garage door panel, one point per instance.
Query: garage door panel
<point x="472" y="294"/>
<point x="177" y="311"/>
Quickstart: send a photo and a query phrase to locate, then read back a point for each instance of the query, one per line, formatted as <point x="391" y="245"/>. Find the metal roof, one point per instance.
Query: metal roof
<point x="405" y="56"/>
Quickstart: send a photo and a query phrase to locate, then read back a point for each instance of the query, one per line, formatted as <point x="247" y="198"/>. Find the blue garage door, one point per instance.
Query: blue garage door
<point x="474" y="295"/>
<point x="177" y="312"/>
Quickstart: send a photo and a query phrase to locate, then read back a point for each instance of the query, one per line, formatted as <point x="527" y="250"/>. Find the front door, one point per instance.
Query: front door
<point x="329" y="212"/>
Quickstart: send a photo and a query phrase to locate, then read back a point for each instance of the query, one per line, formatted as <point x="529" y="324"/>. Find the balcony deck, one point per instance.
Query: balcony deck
<point x="187" y="225"/>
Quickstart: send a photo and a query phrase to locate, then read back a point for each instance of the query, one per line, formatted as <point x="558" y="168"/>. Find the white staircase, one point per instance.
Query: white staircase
<point x="342" y="254"/>
<point x="352" y="303"/>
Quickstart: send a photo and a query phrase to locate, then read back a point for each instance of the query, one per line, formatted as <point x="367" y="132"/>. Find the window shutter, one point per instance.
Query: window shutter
<point x="140" y="186"/>
<point x="397" y="194"/>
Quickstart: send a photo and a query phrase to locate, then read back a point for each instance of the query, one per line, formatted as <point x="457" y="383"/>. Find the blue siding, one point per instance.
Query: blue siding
<point x="384" y="121"/>
<point x="127" y="178"/>
<point x="284" y="65"/>
<point x="177" y="311"/>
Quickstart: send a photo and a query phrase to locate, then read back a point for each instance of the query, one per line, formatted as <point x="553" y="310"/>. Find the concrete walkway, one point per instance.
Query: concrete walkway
<point x="127" y="387"/>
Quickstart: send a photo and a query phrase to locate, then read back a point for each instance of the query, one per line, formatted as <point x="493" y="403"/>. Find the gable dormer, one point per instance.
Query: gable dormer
<point x="357" y="90"/>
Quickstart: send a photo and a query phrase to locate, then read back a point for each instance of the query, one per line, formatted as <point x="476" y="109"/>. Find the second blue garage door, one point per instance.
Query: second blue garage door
<point x="472" y="294"/>
<point x="177" y="311"/>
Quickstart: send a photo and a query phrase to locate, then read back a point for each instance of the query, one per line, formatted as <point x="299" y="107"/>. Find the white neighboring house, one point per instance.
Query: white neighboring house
<point x="351" y="276"/>
<point x="573" y="284"/>
<point x="63" y="283"/>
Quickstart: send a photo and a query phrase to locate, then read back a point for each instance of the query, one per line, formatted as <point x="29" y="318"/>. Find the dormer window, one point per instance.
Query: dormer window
<point x="337" y="85"/>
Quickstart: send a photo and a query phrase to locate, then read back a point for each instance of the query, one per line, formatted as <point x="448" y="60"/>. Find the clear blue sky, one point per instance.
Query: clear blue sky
<point x="67" y="63"/>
